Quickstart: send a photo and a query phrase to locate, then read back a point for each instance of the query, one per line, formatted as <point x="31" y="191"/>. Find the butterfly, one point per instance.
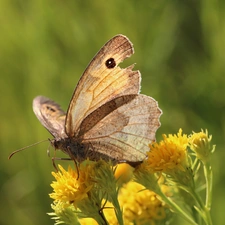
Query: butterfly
<point x="107" y="118"/>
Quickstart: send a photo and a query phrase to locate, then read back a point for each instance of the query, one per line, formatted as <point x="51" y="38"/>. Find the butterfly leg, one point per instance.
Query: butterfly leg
<point x="101" y="210"/>
<point x="56" y="158"/>
<point x="72" y="157"/>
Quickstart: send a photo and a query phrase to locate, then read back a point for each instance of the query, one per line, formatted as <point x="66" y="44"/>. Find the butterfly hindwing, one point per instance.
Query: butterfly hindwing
<point x="51" y="116"/>
<point x="126" y="132"/>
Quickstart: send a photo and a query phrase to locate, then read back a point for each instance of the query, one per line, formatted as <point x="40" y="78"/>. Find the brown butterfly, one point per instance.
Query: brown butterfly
<point x="107" y="117"/>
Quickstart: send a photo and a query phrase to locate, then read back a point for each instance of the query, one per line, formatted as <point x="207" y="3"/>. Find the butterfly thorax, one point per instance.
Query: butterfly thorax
<point x="72" y="147"/>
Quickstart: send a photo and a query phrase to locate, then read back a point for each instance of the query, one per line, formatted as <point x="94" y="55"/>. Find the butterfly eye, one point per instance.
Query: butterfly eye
<point x="110" y="63"/>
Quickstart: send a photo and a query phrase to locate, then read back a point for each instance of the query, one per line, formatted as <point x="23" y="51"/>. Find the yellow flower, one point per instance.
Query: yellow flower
<point x="109" y="213"/>
<point x="88" y="221"/>
<point x="200" y="143"/>
<point x="68" y="187"/>
<point x="140" y="206"/>
<point x="85" y="192"/>
<point x="123" y="172"/>
<point x="169" y="154"/>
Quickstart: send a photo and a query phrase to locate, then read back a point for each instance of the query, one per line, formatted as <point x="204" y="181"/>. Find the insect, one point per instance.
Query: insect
<point x="107" y="118"/>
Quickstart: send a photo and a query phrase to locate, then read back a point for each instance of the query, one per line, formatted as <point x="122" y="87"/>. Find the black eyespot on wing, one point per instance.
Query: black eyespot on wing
<point x="110" y="63"/>
<point x="50" y="108"/>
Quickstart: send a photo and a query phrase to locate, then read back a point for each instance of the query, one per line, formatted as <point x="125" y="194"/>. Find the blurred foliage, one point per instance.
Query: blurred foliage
<point x="46" y="45"/>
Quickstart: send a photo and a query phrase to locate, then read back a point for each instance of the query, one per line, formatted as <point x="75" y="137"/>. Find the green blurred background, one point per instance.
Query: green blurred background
<point x="45" y="46"/>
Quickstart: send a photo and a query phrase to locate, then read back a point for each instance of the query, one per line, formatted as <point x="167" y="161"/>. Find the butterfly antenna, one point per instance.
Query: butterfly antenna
<point x="21" y="149"/>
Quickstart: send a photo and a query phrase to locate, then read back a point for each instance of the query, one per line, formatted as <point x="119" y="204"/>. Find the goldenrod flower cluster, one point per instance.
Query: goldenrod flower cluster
<point x="166" y="182"/>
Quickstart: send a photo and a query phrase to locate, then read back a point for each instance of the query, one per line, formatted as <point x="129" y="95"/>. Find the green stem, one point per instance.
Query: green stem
<point x="203" y="210"/>
<point x="209" y="179"/>
<point x="118" y="211"/>
<point x="176" y="208"/>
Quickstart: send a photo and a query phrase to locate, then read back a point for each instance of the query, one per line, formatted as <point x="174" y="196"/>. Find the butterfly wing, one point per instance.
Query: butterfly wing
<point x="51" y="116"/>
<point x="125" y="133"/>
<point x="102" y="81"/>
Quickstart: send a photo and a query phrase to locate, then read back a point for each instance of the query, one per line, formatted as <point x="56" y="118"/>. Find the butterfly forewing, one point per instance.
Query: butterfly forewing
<point x="100" y="84"/>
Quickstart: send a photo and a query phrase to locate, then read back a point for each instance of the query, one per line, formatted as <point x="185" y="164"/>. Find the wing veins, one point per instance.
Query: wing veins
<point x="122" y="75"/>
<point x="97" y="115"/>
<point x="111" y="71"/>
<point x="124" y="143"/>
<point x="105" y="136"/>
<point x="89" y="109"/>
<point x="117" y="64"/>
